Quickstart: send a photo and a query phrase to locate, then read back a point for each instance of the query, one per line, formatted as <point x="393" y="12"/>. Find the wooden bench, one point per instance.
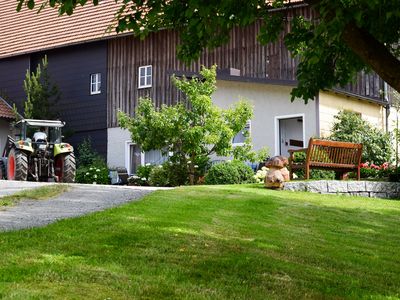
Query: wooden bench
<point x="341" y="157"/>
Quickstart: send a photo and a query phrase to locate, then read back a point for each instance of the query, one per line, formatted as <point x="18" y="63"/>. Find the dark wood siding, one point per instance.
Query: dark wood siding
<point x="70" y="68"/>
<point x="243" y="52"/>
<point x="12" y="75"/>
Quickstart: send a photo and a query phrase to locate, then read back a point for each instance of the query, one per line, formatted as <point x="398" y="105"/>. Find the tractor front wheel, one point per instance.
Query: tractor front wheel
<point x="17" y="165"/>
<point x="65" y="167"/>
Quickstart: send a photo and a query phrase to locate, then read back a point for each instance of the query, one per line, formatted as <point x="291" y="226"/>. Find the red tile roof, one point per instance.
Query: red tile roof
<point x="27" y="31"/>
<point x="6" y="110"/>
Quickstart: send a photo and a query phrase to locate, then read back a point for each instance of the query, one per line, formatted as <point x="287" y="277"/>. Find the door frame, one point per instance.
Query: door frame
<point x="128" y="144"/>
<point x="277" y="134"/>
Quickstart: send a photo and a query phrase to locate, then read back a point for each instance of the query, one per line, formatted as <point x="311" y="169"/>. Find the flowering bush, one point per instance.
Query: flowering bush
<point x="142" y="175"/>
<point x="260" y="175"/>
<point x="370" y="170"/>
<point x="96" y="173"/>
<point x="91" y="166"/>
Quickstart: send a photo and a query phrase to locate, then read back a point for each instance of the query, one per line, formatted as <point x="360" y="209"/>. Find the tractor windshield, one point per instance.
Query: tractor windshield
<point x="55" y="135"/>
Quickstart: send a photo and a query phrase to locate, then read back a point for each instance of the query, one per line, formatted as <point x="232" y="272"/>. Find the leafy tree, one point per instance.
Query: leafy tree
<point x="189" y="131"/>
<point x="349" y="35"/>
<point x="350" y="127"/>
<point x="41" y="94"/>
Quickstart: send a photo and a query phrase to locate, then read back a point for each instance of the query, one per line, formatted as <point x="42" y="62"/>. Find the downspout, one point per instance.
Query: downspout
<point x="387" y="105"/>
<point x="317" y="125"/>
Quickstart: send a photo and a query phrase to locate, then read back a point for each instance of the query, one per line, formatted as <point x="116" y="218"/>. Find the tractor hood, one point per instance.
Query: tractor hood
<point x="40" y="123"/>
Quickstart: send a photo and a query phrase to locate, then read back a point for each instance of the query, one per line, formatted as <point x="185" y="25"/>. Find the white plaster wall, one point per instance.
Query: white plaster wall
<point x="269" y="101"/>
<point x="117" y="139"/>
<point x="4" y="131"/>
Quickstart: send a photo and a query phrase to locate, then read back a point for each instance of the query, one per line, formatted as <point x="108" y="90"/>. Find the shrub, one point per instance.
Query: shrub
<point x="261" y="174"/>
<point x="222" y="173"/>
<point x="229" y="173"/>
<point x="177" y="173"/>
<point x="95" y="173"/>
<point x="142" y="176"/>
<point x="159" y="176"/>
<point x="394" y="176"/>
<point x="86" y="156"/>
<point x="349" y="127"/>
<point x="91" y="166"/>
<point x="315" y="174"/>
<point x="246" y="173"/>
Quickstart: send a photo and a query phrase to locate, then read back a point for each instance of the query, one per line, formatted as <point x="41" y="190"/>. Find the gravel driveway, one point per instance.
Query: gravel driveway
<point x="79" y="200"/>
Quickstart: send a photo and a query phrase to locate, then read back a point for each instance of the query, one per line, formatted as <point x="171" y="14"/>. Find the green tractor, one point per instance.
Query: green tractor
<point x="37" y="153"/>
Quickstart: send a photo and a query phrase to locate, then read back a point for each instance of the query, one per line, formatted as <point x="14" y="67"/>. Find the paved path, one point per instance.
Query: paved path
<point x="79" y="200"/>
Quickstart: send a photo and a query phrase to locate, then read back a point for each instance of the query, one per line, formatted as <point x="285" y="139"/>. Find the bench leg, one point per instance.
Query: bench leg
<point x="307" y="172"/>
<point x="358" y="174"/>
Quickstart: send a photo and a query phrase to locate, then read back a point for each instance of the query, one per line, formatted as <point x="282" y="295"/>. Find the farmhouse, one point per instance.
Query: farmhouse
<point x="100" y="72"/>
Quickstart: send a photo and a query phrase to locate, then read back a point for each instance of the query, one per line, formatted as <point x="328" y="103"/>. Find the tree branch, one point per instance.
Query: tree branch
<point x="373" y="53"/>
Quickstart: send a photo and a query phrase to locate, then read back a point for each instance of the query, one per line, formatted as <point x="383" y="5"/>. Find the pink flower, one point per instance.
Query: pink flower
<point x="385" y="165"/>
<point x="375" y="167"/>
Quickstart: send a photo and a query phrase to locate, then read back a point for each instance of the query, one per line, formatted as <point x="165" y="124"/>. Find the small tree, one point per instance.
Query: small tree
<point x="192" y="130"/>
<point x="350" y="127"/>
<point x="41" y="94"/>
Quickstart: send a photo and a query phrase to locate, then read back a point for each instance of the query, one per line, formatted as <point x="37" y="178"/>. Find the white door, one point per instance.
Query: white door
<point x="135" y="158"/>
<point x="290" y="134"/>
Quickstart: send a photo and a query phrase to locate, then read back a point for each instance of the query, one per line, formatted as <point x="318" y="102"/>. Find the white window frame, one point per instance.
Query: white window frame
<point x="128" y="145"/>
<point x="95" y="81"/>
<point x="248" y="124"/>
<point x="146" y="76"/>
<point x="277" y="137"/>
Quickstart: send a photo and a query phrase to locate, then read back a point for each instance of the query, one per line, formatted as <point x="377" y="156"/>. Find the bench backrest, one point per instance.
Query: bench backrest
<point x="333" y="152"/>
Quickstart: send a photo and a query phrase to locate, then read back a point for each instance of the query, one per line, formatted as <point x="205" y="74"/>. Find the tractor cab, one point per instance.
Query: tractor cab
<point x="26" y="128"/>
<point x="42" y="135"/>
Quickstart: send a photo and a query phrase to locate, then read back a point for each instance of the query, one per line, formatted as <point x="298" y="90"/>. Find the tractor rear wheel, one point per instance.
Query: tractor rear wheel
<point x="17" y="165"/>
<point x="65" y="167"/>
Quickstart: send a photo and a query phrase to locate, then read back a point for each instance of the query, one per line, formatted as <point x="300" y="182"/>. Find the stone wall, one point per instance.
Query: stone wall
<point x="374" y="189"/>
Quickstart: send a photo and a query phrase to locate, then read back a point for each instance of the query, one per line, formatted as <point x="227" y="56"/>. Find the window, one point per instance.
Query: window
<point x="95" y="84"/>
<point x="145" y="76"/>
<point x="240" y="138"/>
<point x="135" y="157"/>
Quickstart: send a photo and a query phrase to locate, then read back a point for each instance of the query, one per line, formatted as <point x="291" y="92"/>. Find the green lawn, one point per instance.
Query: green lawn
<point x="231" y="242"/>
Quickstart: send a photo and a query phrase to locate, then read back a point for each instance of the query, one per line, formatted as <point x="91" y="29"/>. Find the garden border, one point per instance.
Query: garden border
<point x="373" y="189"/>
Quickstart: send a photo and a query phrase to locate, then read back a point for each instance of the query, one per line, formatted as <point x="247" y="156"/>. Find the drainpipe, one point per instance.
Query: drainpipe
<point x="318" y="126"/>
<point x="387" y="106"/>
